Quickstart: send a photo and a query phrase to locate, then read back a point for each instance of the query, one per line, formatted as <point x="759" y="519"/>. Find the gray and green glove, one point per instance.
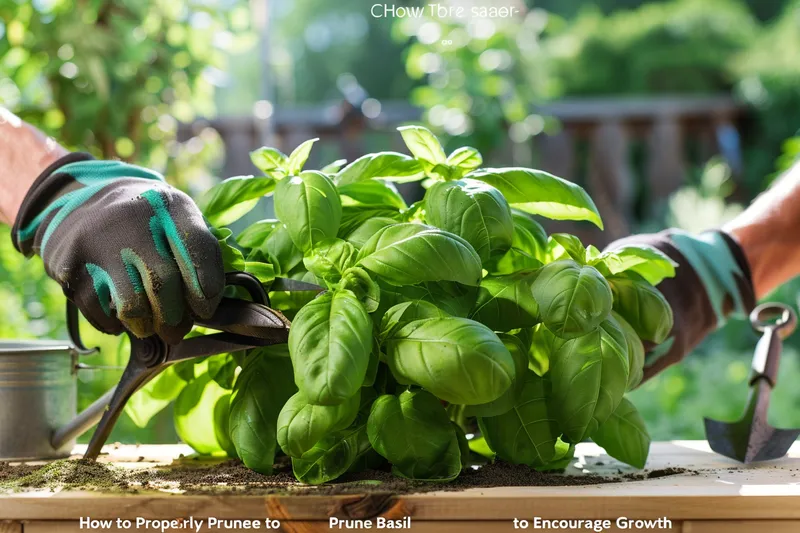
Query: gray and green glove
<point x="131" y="251"/>
<point x="712" y="282"/>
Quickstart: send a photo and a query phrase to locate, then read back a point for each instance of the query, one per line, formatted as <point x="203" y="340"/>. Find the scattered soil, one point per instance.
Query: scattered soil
<point x="232" y="477"/>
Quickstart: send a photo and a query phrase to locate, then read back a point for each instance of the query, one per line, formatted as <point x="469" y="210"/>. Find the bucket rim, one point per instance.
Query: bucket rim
<point x="17" y="346"/>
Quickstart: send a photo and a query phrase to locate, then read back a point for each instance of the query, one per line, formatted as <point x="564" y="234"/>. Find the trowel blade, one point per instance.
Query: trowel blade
<point x="749" y="440"/>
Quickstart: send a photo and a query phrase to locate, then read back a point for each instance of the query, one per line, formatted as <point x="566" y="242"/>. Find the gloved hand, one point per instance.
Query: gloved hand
<point x="712" y="282"/>
<point x="130" y="250"/>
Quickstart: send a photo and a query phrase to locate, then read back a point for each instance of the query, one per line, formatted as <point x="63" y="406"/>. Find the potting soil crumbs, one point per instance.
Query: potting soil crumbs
<point x="232" y="477"/>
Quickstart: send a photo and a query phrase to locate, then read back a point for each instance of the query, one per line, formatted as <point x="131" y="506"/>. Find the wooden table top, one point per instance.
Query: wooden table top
<point x="713" y="487"/>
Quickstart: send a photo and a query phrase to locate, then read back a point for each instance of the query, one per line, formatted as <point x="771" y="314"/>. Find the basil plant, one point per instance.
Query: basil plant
<point x="457" y="315"/>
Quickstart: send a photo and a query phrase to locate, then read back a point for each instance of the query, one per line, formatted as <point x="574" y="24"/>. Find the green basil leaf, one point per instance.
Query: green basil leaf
<point x="573" y="299"/>
<point x="299" y="156"/>
<point x="635" y="352"/>
<point x="650" y="263"/>
<point x="309" y="205"/>
<point x="354" y="216"/>
<point x="270" y="161"/>
<point x="643" y="306"/>
<point x="539" y="193"/>
<point x="330" y="259"/>
<point x="363" y="286"/>
<point x="527" y="433"/>
<point x="465" y="159"/>
<point x="454" y="298"/>
<point x="402" y="314"/>
<point x="624" y="435"/>
<point x="405" y="254"/>
<point x="509" y="399"/>
<point x="262" y="388"/>
<point x="232" y="257"/>
<point x="513" y="261"/>
<point x="359" y="236"/>
<point x="222" y="413"/>
<point x="332" y="456"/>
<point x="423" y="144"/>
<point x="565" y="452"/>
<point x="330" y="342"/>
<point x="572" y="246"/>
<point x="222" y="369"/>
<point x="194" y="415"/>
<point x="372" y="192"/>
<point x="542" y="346"/>
<point x="332" y="169"/>
<point x="413" y="432"/>
<point x="265" y="272"/>
<point x="230" y="200"/>
<point x="151" y="399"/>
<point x="529" y="235"/>
<point x="459" y="360"/>
<point x="256" y="234"/>
<point x="280" y="251"/>
<point x="302" y="424"/>
<point x="589" y="376"/>
<point x="390" y="166"/>
<point x="507" y="302"/>
<point x="474" y="211"/>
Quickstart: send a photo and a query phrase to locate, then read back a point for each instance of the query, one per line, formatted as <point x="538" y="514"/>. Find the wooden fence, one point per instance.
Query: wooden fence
<point x="628" y="153"/>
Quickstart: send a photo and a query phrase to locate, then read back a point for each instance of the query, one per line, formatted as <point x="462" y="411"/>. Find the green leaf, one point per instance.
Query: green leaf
<point x="262" y="388"/>
<point x="230" y="200"/>
<point x="571" y="246"/>
<point x="403" y="314"/>
<point x="256" y="234"/>
<point x="302" y="424"/>
<point x="589" y="376"/>
<point x="355" y="216"/>
<point x="280" y="251"/>
<point x="527" y="433"/>
<point x="405" y="254"/>
<point x="270" y="161"/>
<point x="465" y="159"/>
<point x="298" y="158"/>
<point x="265" y="272"/>
<point x="507" y="302"/>
<point x="573" y="299"/>
<point x="474" y="211"/>
<point x="539" y="193"/>
<point x="413" y="432"/>
<point x="222" y="413"/>
<point x="390" y="166"/>
<point x="624" y="435"/>
<point x="650" y="263"/>
<point x="222" y="369"/>
<point x="329" y="260"/>
<point x="309" y="206"/>
<point x="333" y="168"/>
<point x="154" y="396"/>
<point x="372" y="192"/>
<point x="194" y="415"/>
<point x="459" y="360"/>
<point x="542" y="346"/>
<point x="643" y="306"/>
<point x="330" y="342"/>
<point x="423" y="144"/>
<point x="332" y="456"/>
<point x="508" y="399"/>
<point x="367" y="229"/>
<point x="635" y="352"/>
<point x="363" y="286"/>
<point x="232" y="258"/>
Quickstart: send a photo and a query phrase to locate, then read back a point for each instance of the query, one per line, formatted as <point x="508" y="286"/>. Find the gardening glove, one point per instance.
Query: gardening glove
<point x="131" y="251"/>
<point x="712" y="282"/>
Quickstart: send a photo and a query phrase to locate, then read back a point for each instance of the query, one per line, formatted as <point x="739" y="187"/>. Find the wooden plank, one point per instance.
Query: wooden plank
<point x="745" y="526"/>
<point x="10" y="527"/>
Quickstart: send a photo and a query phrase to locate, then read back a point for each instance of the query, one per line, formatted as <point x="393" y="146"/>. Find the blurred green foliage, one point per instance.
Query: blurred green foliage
<point x="114" y="78"/>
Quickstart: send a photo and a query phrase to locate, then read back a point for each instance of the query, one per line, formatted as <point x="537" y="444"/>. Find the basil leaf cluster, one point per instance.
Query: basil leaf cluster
<point x="454" y="317"/>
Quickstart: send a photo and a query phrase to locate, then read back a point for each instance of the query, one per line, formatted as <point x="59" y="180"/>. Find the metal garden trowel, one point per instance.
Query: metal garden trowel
<point x="752" y="438"/>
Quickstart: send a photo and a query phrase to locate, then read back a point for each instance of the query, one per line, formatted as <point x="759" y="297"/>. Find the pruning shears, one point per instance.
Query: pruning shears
<point x="240" y="325"/>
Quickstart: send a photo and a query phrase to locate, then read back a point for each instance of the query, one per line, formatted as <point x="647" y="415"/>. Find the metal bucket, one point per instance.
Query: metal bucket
<point x="38" y="395"/>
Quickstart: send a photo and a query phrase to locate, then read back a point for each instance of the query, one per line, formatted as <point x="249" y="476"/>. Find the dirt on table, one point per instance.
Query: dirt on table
<point x="232" y="477"/>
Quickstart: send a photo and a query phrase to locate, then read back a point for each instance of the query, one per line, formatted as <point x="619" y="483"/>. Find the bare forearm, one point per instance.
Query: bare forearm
<point x="24" y="153"/>
<point x="769" y="233"/>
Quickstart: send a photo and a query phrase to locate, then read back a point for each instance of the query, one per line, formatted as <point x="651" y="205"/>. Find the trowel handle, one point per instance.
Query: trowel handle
<point x="767" y="357"/>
